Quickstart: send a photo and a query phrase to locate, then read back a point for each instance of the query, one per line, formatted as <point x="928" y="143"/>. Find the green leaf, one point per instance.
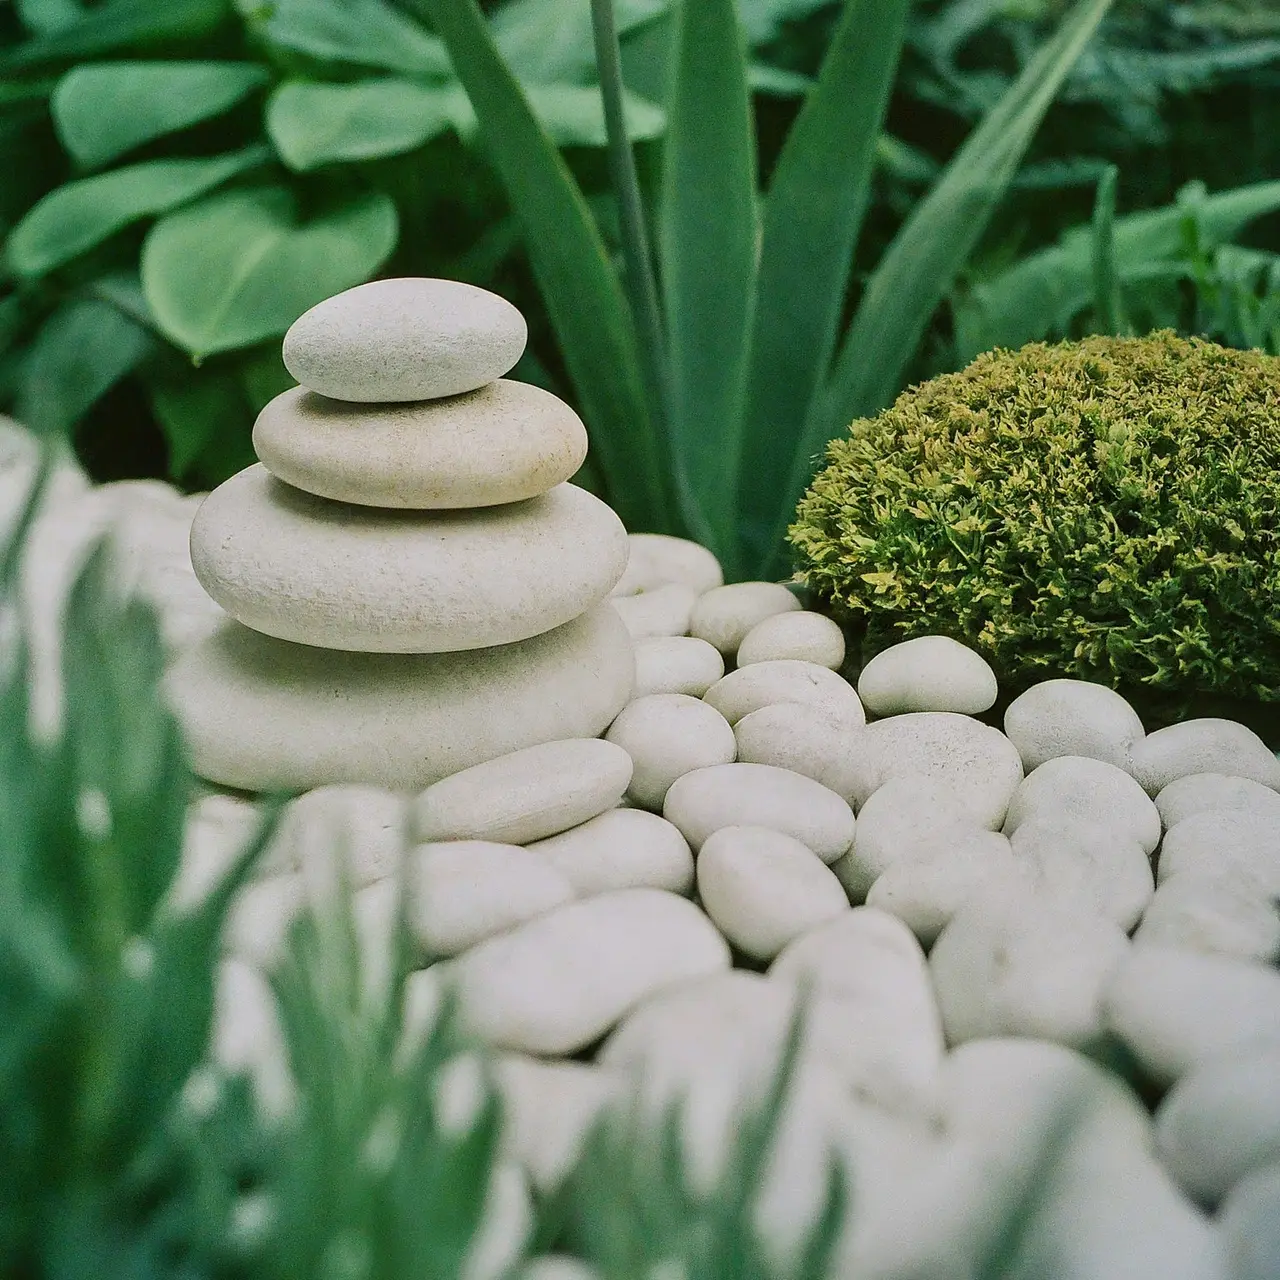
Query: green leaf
<point x="812" y="219"/>
<point x="242" y="266"/>
<point x="195" y="411"/>
<point x="44" y="17"/>
<point x="105" y="109"/>
<point x="552" y="43"/>
<point x="365" y="33"/>
<point x="1044" y="291"/>
<point x="82" y="214"/>
<point x="581" y="292"/>
<point x="929" y="250"/>
<point x="573" y="115"/>
<point x="317" y="124"/>
<point x="707" y="253"/>
<point x="83" y="350"/>
<point x="131" y="24"/>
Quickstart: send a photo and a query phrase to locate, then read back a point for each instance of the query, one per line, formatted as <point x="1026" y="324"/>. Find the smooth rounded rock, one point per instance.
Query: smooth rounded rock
<point x="668" y="735"/>
<point x="216" y="831"/>
<point x="1071" y="788"/>
<point x="1214" y="793"/>
<point x="1216" y="914"/>
<point x="1176" y="1008"/>
<point x="412" y="338"/>
<point x="465" y="891"/>
<point x="893" y="822"/>
<point x="657" y="559"/>
<point x="528" y="794"/>
<point x="260" y="917"/>
<point x="1250" y="1226"/>
<point x="762" y="888"/>
<point x="502" y="443"/>
<point x="978" y="762"/>
<point x="621" y="849"/>
<point x="1024" y="967"/>
<point x="1221" y="1122"/>
<point x="764" y="684"/>
<point x="804" y="739"/>
<point x="1086" y="863"/>
<point x="663" y="611"/>
<point x="1241" y="844"/>
<point x="723" y="616"/>
<point x="759" y="795"/>
<point x="944" y="872"/>
<point x="358" y="832"/>
<point x="1072" y="718"/>
<point x="929" y="673"/>
<point x="676" y="664"/>
<point x="1208" y="745"/>
<point x="338" y="576"/>
<point x="802" y="636"/>
<point x="261" y="714"/>
<point x="557" y="983"/>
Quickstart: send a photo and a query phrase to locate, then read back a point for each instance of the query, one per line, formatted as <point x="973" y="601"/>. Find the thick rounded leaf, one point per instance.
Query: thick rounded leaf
<point x="242" y="266"/>
<point x="367" y="33"/>
<point x="318" y="124"/>
<point x="101" y="110"/>
<point x="83" y="350"/>
<point x="573" y="115"/>
<point x="79" y="215"/>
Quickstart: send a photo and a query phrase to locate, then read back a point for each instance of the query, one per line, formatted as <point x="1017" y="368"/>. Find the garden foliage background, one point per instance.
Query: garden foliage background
<point x="183" y="179"/>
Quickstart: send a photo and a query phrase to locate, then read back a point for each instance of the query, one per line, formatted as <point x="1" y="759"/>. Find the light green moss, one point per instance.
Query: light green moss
<point x="1106" y="509"/>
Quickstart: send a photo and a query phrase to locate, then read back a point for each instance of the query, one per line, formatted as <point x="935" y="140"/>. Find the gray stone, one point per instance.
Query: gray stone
<point x="1072" y="718"/>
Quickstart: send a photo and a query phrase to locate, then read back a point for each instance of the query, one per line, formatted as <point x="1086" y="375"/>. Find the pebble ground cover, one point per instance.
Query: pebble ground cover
<point x="638" y="819"/>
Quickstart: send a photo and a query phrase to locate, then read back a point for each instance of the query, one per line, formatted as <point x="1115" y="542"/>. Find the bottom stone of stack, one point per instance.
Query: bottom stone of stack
<point x="263" y="714"/>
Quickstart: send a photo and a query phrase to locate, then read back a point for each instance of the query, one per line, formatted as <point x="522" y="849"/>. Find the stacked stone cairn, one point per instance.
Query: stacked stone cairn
<point x="412" y="586"/>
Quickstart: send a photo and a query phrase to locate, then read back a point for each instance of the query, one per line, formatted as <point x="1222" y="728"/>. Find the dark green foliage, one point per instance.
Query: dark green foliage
<point x="1106" y="509"/>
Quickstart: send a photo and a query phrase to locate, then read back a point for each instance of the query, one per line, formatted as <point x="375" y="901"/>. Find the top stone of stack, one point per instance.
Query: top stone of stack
<point x="407" y="339"/>
<point x="403" y="403"/>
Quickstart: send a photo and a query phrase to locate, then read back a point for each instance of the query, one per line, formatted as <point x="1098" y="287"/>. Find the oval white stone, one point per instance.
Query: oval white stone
<point x="503" y="443"/>
<point x="1241" y="844"/>
<point x="412" y="338"/>
<point x="668" y="735"/>
<point x="929" y="673"/>
<point x="1177" y="1008"/>
<point x="1209" y="745"/>
<point x="1024" y="966"/>
<point x="804" y="739"/>
<point x="1220" y="1122"/>
<point x="1072" y="718"/>
<point x="763" y="684"/>
<point x="557" y="983"/>
<point x="979" y="763"/>
<point x="762" y="888"/>
<point x="358" y="831"/>
<point x="1214" y="793"/>
<point x="1250" y="1225"/>
<point x="676" y="664"/>
<point x="464" y="891"/>
<point x="724" y="615"/>
<point x="337" y="576"/>
<point x="1069" y="788"/>
<point x="528" y="794"/>
<point x="759" y="795"/>
<point x="621" y="849"/>
<point x="657" y="559"/>
<point x="1220" y="914"/>
<point x="662" y="611"/>
<point x="261" y="714"/>
<point x="803" y="636"/>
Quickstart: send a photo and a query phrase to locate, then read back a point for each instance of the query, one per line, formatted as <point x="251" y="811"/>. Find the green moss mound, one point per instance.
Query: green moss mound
<point x="1106" y="509"/>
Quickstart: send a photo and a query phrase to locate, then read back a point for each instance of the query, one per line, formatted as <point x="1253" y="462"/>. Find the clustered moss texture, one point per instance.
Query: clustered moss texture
<point x="1104" y="509"/>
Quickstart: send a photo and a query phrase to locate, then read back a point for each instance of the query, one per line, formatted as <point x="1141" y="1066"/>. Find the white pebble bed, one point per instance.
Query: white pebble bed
<point x="971" y="911"/>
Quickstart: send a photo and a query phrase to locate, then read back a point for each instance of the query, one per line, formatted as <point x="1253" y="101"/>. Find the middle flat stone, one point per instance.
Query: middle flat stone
<point x="340" y="576"/>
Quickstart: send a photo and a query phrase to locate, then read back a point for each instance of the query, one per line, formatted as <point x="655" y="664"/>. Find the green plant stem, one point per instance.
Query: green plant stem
<point x="1106" y="286"/>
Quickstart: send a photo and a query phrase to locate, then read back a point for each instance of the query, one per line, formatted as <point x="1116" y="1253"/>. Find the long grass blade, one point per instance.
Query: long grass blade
<point x="583" y="296"/>
<point x="930" y="249"/>
<point x="707" y="253"/>
<point x="812" y="218"/>
<point x="1106" y="285"/>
